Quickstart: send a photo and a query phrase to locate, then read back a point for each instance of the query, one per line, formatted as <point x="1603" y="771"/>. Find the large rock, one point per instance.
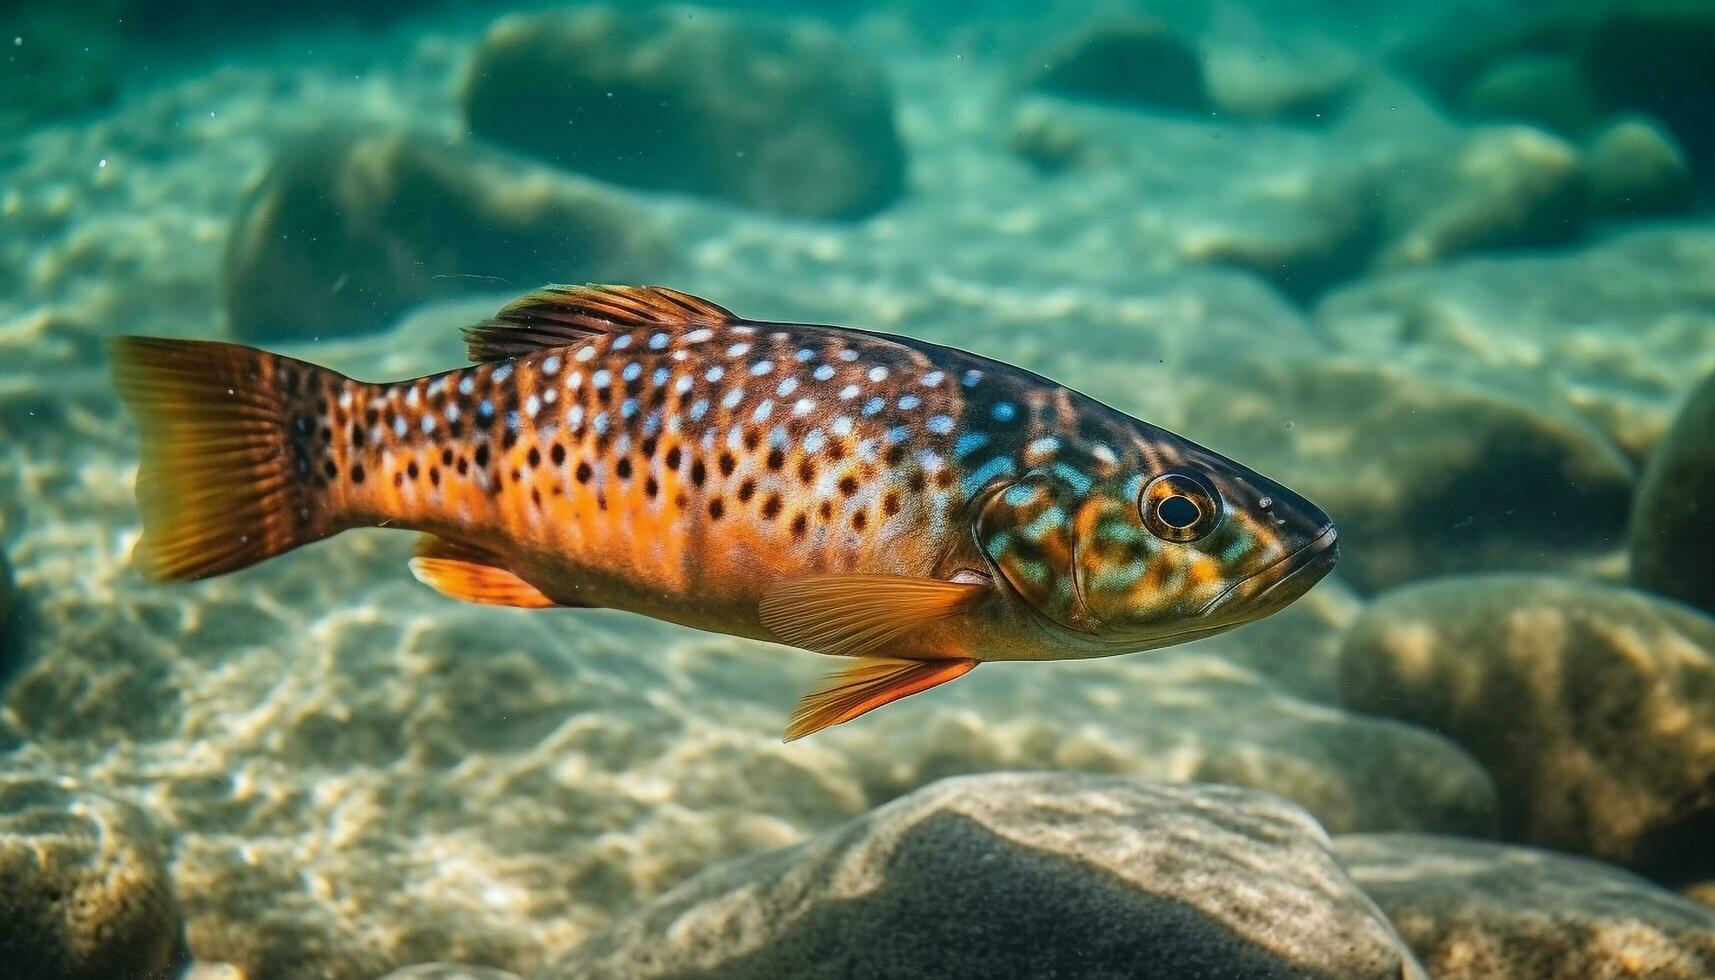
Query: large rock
<point x="1615" y="332"/>
<point x="1023" y="875"/>
<point x="1673" y="517"/>
<point x="1474" y="910"/>
<point x="1424" y="477"/>
<point x="782" y="118"/>
<point x="1545" y="89"/>
<point x="1637" y="168"/>
<point x="1500" y="187"/>
<point x="1654" y="56"/>
<point x="345" y="232"/>
<point x="1589" y="705"/>
<point x="83" y="886"/>
<point x="1137" y="61"/>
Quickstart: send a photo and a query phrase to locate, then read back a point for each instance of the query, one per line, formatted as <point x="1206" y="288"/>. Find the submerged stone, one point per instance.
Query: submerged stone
<point x="1474" y="910"/>
<point x="1136" y="60"/>
<point x="84" y="893"/>
<point x="1023" y="875"/>
<point x="1589" y="704"/>
<point x="1636" y="167"/>
<point x="784" y="118"/>
<point x="1673" y="518"/>
<point x="346" y="232"/>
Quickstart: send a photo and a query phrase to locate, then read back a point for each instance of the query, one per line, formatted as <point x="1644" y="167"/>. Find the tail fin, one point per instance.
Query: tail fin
<point x="231" y="458"/>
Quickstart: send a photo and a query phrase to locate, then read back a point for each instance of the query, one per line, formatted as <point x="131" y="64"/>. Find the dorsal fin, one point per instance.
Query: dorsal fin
<point x="558" y="316"/>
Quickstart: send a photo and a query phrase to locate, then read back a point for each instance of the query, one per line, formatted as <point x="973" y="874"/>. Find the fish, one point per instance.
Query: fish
<point x="914" y="508"/>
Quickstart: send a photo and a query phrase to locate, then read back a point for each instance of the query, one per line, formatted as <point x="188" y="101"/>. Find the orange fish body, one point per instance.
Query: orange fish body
<point x="918" y="507"/>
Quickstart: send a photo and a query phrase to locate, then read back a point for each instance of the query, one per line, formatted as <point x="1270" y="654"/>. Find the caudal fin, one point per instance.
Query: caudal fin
<point x="229" y="453"/>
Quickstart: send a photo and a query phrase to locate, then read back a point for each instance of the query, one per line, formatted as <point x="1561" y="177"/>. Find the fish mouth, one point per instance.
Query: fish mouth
<point x="1280" y="583"/>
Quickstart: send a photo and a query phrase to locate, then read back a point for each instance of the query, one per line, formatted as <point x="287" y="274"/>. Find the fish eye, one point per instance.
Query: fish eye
<point x="1179" y="507"/>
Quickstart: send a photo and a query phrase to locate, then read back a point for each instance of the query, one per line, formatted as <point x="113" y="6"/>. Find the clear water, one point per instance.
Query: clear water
<point x="1449" y="273"/>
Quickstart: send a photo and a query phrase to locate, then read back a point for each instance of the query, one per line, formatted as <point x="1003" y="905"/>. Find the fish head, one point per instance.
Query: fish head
<point x="1143" y="556"/>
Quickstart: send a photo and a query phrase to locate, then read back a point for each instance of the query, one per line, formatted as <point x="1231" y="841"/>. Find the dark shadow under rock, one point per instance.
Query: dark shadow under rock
<point x="781" y="117"/>
<point x="1673" y="517"/>
<point x="348" y="231"/>
<point x="1023" y="875"/>
<point x="1138" y="61"/>
<point x="1473" y="910"/>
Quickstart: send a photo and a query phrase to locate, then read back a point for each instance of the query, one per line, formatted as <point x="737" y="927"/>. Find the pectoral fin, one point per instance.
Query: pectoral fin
<point x="866" y="686"/>
<point x="471" y="574"/>
<point x="850" y="615"/>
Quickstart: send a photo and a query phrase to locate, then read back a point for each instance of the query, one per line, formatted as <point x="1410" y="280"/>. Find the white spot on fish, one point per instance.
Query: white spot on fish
<point x="632" y="370"/>
<point x="501" y="373"/>
<point x="550" y="396"/>
<point x="1003" y="411"/>
<point x="699" y="408"/>
<point x="699" y="335"/>
<point x="971" y="377"/>
<point x="1104" y="454"/>
<point x="732" y="398"/>
<point x="940" y="424"/>
<point x="873" y="406"/>
<point x="532" y="406"/>
<point x="600" y="423"/>
<point x="467" y="385"/>
<point x="622" y="341"/>
<point x="786" y="387"/>
<point x="878" y="373"/>
<point x="848" y="393"/>
<point x="803" y="406"/>
<point x="738" y="350"/>
<point x="428" y="424"/>
<point x="574" y="379"/>
<point x="683" y="384"/>
<point x="660" y="377"/>
<point x="453" y="413"/>
<point x="934" y="378"/>
<point x="585" y="353"/>
<point x="628" y="408"/>
<point x="575" y="416"/>
<point x="969" y="443"/>
<point x="848" y="355"/>
<point x="602" y="378"/>
<point x="411" y="397"/>
<point x="1045" y="446"/>
<point x="658" y="341"/>
<point x="551" y="365"/>
<point x="814" y="441"/>
<point x="761" y="368"/>
<point x="399" y="426"/>
<point x="804" y="354"/>
<point x="841" y="426"/>
<point x="715" y="373"/>
<point x="898" y="433"/>
<point x="824" y="372"/>
<point x="909" y="402"/>
<point x="778" y="439"/>
<point x="345" y="398"/>
<point x="763" y="410"/>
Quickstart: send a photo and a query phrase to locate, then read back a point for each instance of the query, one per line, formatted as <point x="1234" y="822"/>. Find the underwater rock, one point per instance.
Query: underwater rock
<point x="1654" y="56"/>
<point x="1424" y="477"/>
<point x="1312" y="88"/>
<point x="1615" y="332"/>
<point x="1474" y="910"/>
<point x="1134" y="60"/>
<point x="83" y="886"/>
<point x="449" y="971"/>
<point x="1545" y="89"/>
<point x="784" y="118"/>
<point x="1673" y="517"/>
<point x="1020" y="874"/>
<point x="1589" y="705"/>
<point x="1637" y="168"/>
<point x="346" y="232"/>
<point x="1503" y="186"/>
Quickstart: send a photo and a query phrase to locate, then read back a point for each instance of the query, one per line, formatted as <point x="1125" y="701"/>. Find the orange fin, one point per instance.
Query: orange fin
<point x="225" y="478"/>
<point x="866" y="686"/>
<point x="558" y="316"/>
<point x="471" y="574"/>
<point x="850" y="615"/>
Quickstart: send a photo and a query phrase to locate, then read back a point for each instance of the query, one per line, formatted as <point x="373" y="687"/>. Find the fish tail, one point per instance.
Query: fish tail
<point x="233" y="442"/>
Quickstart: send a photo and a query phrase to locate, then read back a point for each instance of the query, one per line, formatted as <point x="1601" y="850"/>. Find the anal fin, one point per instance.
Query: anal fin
<point x="471" y="574"/>
<point x="866" y="686"/>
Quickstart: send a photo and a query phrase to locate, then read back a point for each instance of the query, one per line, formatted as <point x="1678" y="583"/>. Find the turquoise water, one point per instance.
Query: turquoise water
<point x="1448" y="272"/>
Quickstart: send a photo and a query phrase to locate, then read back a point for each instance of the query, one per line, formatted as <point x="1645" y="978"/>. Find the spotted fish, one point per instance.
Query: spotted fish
<point x="914" y="507"/>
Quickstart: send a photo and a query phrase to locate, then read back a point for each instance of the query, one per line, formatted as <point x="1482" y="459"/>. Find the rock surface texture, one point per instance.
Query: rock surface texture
<point x="1024" y="875"/>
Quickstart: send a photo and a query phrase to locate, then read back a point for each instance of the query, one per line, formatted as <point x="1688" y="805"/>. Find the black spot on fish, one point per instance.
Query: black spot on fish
<point x="673" y="457"/>
<point x="860" y="520"/>
<point x="558" y="454"/>
<point x="482" y="456"/>
<point x="771" y="506"/>
<point x="623" y="468"/>
<point x="330" y="469"/>
<point x="534" y="457"/>
<point x="716" y="508"/>
<point x="584" y="472"/>
<point x="746" y="490"/>
<point x="727" y="464"/>
<point x="699" y="472"/>
<point x="848" y="484"/>
<point x="412" y="471"/>
<point x="776" y="459"/>
<point x="650" y="487"/>
<point x="800" y="524"/>
<point x="357" y="473"/>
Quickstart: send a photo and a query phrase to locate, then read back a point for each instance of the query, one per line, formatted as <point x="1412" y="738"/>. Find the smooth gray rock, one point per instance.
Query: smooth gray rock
<point x="1023" y="874"/>
<point x="1673" y="517"/>
<point x="346" y="232"/>
<point x="84" y="893"/>
<point x="781" y="117"/>
<point x="1474" y="910"/>
<point x="1590" y="705"/>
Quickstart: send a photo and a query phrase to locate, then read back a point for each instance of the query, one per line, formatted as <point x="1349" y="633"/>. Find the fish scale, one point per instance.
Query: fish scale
<point x="848" y="492"/>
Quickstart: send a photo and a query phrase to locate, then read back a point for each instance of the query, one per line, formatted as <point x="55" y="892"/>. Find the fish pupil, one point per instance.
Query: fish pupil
<point x="1178" y="511"/>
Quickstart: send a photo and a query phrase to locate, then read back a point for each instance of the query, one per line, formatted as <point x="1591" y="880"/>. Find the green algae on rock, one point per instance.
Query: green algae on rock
<point x="1673" y="517"/>
<point x="345" y="232"/>
<point x="1590" y="705"/>
<point x="782" y="117"/>
<point x="1023" y="874"/>
<point x="1474" y="910"/>
<point x="84" y="893"/>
